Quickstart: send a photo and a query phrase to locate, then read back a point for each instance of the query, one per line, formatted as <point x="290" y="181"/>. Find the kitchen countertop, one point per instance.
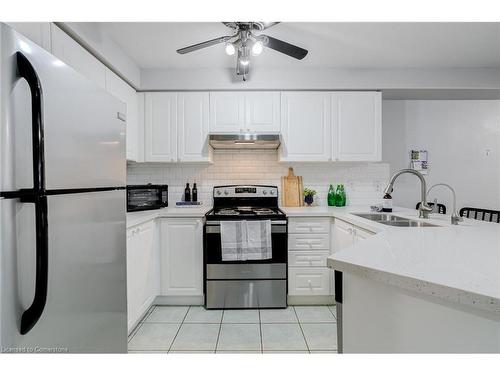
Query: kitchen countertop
<point x="139" y="217"/>
<point x="457" y="263"/>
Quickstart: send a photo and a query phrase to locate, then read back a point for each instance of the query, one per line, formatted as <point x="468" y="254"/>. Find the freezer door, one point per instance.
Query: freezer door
<point x="86" y="301"/>
<point x="84" y="125"/>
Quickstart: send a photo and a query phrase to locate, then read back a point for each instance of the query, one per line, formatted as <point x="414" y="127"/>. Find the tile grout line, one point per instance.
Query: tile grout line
<point x="218" y="334"/>
<point x="301" y="330"/>
<point x="140" y="323"/>
<point x="178" y="330"/>
<point x="261" y="339"/>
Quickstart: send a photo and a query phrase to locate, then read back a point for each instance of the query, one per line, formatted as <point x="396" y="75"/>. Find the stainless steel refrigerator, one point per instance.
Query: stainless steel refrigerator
<point x="62" y="206"/>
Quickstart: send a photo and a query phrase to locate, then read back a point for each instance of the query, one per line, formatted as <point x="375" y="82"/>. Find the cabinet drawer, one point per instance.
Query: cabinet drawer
<point x="308" y="241"/>
<point x="309" y="281"/>
<point x="309" y="225"/>
<point x="308" y="258"/>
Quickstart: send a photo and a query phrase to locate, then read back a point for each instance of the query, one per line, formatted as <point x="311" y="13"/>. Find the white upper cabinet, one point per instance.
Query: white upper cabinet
<point x="192" y="127"/>
<point x="181" y="256"/>
<point x="227" y="112"/>
<point x="124" y="92"/>
<point x="357" y="125"/>
<point x="73" y="54"/>
<point x="160" y="131"/>
<point x="306" y="126"/>
<point x="37" y="32"/>
<point x="262" y="111"/>
<point x="244" y="111"/>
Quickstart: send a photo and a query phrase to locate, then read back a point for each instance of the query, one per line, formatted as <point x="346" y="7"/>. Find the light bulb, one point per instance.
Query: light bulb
<point x="230" y="50"/>
<point x="257" y="48"/>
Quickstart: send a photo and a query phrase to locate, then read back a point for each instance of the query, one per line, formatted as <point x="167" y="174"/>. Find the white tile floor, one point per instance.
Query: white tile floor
<point x="192" y="329"/>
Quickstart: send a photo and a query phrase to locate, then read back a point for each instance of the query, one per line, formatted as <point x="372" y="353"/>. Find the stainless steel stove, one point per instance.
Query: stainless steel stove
<point x="251" y="283"/>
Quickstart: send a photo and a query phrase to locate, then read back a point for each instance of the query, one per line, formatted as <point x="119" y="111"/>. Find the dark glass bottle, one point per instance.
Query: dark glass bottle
<point x="187" y="193"/>
<point x="387" y="203"/>
<point x="194" y="193"/>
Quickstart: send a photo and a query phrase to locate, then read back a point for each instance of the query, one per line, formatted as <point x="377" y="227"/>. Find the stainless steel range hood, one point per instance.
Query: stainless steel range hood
<point x="244" y="140"/>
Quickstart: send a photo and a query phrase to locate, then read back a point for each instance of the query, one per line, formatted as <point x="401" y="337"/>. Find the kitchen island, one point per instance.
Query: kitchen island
<point x="417" y="289"/>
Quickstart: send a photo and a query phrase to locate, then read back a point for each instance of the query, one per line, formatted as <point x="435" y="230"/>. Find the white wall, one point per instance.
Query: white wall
<point x="320" y="78"/>
<point x="93" y="38"/>
<point x="456" y="134"/>
<point x="364" y="182"/>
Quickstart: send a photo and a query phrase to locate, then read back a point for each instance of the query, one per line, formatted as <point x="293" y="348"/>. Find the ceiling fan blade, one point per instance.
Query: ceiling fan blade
<point x="201" y="45"/>
<point x="283" y="47"/>
<point x="263" y="25"/>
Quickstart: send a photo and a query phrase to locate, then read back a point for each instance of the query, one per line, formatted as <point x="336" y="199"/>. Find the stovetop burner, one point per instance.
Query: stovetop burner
<point x="248" y="211"/>
<point x="246" y="202"/>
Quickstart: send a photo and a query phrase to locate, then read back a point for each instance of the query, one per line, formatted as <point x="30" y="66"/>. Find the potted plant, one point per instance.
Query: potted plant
<point x="309" y="196"/>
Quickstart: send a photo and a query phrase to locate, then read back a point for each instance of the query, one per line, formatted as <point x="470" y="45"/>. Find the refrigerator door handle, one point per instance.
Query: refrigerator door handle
<point x="36" y="195"/>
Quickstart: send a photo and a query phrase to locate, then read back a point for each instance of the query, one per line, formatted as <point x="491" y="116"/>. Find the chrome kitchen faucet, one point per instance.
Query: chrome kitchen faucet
<point x="424" y="208"/>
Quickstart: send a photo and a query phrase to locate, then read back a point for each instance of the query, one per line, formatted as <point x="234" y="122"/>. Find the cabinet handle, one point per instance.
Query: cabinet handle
<point x="354" y="232"/>
<point x="309" y="283"/>
<point x="172" y="160"/>
<point x="349" y="230"/>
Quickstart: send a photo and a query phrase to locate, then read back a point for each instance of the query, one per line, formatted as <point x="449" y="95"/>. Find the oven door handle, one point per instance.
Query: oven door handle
<point x="273" y="222"/>
<point x="211" y="228"/>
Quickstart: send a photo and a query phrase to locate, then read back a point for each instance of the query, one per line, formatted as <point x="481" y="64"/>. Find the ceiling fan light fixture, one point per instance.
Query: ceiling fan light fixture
<point x="230" y="49"/>
<point x="257" y="48"/>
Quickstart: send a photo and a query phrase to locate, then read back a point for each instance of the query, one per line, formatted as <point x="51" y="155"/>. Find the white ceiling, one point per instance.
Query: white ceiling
<point x="332" y="45"/>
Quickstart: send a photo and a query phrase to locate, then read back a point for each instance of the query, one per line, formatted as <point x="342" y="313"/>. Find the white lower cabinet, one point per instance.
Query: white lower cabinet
<point x="345" y="235"/>
<point x="309" y="281"/>
<point x="143" y="278"/>
<point x="308" y="247"/>
<point x="181" y="252"/>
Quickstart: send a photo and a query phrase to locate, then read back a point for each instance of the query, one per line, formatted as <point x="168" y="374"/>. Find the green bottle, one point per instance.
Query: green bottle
<point x="340" y="200"/>
<point x="331" y="196"/>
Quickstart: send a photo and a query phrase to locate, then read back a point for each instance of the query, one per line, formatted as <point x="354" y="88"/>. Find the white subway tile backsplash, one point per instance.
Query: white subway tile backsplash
<point x="364" y="182"/>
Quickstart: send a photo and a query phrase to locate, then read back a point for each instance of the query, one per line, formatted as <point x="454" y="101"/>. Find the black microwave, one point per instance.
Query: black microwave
<point x="146" y="197"/>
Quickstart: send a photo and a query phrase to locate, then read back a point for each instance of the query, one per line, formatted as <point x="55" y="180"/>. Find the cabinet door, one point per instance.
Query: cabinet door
<point x="361" y="234"/>
<point x="124" y="92"/>
<point x="309" y="281"/>
<point x="227" y="111"/>
<point x="181" y="257"/>
<point x="161" y="127"/>
<point x="306" y="126"/>
<point x="142" y="271"/>
<point x="192" y="126"/>
<point x="73" y="54"/>
<point x="37" y="32"/>
<point x="357" y="117"/>
<point x="342" y="235"/>
<point x="262" y="111"/>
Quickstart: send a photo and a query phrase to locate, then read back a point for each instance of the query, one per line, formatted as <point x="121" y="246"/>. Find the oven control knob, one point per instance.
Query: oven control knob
<point x="264" y="192"/>
<point x="219" y="192"/>
<point x="272" y="192"/>
<point x="226" y="192"/>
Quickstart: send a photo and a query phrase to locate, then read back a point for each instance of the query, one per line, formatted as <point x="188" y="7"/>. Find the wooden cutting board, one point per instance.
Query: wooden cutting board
<point x="292" y="191"/>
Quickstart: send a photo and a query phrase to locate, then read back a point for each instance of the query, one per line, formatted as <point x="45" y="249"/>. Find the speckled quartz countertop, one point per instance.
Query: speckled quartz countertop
<point x="457" y="263"/>
<point x="139" y="217"/>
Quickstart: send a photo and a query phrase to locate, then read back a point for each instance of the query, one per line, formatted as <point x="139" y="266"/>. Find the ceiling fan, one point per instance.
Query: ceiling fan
<point x="246" y="43"/>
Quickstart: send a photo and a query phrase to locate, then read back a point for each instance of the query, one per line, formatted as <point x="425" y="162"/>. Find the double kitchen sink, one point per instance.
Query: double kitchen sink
<point x="393" y="220"/>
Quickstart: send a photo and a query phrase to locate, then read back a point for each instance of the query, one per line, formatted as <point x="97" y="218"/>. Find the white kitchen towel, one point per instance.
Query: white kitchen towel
<point x="258" y="240"/>
<point x="233" y="236"/>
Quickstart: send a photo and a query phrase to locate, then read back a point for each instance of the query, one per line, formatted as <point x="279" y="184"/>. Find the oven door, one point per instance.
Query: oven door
<point x="213" y="246"/>
<point x="246" y="284"/>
